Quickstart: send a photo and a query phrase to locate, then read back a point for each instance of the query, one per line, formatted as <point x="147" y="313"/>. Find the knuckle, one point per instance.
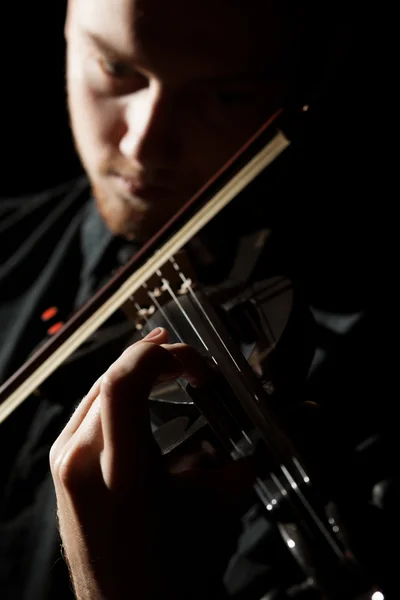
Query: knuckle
<point x="108" y="381"/>
<point x="68" y="467"/>
<point x="135" y="357"/>
<point x="67" y="473"/>
<point x="54" y="457"/>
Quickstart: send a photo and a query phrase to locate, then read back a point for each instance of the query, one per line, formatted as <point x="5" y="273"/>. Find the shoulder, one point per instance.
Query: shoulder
<point x="20" y="207"/>
<point x="32" y="224"/>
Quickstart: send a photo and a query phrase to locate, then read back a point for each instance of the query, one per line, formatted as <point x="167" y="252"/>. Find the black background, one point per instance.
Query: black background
<point x="36" y="145"/>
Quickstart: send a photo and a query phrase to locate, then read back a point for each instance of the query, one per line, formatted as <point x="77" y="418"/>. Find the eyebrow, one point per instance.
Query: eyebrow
<point x="238" y="79"/>
<point x="104" y="46"/>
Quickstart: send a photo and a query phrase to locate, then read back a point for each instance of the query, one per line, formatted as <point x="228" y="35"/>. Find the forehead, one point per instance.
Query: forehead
<point x="229" y="35"/>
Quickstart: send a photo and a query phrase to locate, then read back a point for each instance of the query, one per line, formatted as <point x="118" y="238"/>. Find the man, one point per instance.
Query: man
<point x="160" y="96"/>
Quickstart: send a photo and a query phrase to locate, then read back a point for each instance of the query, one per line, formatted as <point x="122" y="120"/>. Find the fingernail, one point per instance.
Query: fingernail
<point x="153" y="334"/>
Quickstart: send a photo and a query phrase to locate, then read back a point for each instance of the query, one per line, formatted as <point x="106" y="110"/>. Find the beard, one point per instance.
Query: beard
<point x="131" y="218"/>
<point x="124" y="213"/>
<point x="121" y="215"/>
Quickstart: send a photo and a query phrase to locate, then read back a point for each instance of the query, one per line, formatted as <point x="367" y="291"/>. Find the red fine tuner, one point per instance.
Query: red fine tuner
<point x="54" y="328"/>
<point x="49" y="313"/>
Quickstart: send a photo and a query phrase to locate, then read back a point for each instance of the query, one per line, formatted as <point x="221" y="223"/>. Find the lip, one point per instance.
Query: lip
<point x="141" y="190"/>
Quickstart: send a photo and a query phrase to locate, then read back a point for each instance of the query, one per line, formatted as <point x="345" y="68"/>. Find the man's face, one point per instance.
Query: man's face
<point x="163" y="92"/>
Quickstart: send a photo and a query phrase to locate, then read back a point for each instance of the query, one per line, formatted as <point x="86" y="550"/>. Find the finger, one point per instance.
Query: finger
<point x="82" y="437"/>
<point x="124" y="393"/>
<point x="196" y="369"/>
<point x="158" y="335"/>
<point x="77" y="417"/>
<point x="77" y="463"/>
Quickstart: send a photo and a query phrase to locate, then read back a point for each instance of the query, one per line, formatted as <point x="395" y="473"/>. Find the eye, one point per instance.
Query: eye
<point x="115" y="69"/>
<point x="120" y="77"/>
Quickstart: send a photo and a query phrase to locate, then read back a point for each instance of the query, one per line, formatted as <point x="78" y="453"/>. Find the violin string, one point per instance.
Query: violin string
<point x="163" y="312"/>
<point x="182" y="310"/>
<point x="165" y="316"/>
<point x="167" y="320"/>
<point x="188" y="286"/>
<point x="260" y="486"/>
<point x="264" y="494"/>
<point x="321" y="526"/>
<point x="204" y="313"/>
<point x="201" y="308"/>
<point x="190" y="322"/>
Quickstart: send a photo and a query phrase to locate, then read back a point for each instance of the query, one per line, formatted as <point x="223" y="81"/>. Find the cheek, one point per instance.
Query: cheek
<point x="101" y="118"/>
<point x="214" y="146"/>
<point x="97" y="121"/>
<point x="215" y="134"/>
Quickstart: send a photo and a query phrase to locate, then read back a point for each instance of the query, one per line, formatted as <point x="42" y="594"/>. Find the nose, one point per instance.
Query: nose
<point x="150" y="138"/>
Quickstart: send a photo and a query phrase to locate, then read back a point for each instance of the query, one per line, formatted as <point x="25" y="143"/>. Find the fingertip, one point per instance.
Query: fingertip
<point x="157" y="335"/>
<point x="140" y="366"/>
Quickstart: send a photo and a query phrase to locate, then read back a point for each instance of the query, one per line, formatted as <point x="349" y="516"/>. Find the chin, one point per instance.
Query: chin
<point x="123" y="222"/>
<point x="132" y="217"/>
<point x="121" y="217"/>
<point x="128" y="219"/>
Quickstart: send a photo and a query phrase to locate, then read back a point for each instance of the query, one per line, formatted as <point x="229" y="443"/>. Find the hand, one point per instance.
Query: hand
<point x="129" y="528"/>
